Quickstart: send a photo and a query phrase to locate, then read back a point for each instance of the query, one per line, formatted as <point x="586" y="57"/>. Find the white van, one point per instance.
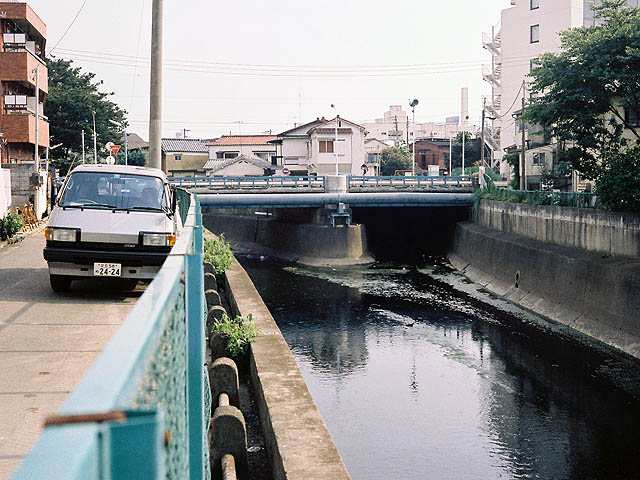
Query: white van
<point x="111" y="221"/>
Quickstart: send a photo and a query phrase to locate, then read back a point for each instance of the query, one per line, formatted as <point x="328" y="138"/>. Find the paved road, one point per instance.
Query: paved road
<point x="47" y="342"/>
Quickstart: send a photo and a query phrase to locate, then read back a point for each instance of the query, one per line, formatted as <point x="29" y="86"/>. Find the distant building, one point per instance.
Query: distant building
<point x="228" y="147"/>
<point x="135" y="142"/>
<point x="22" y="51"/>
<point x="431" y="151"/>
<point x="310" y="149"/>
<point x="373" y="149"/>
<point x="240" y="166"/>
<point x="184" y="157"/>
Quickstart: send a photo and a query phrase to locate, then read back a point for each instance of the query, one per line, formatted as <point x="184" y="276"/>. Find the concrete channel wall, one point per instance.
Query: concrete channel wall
<point x="596" y="295"/>
<point x="592" y="230"/>
<point x="297" y="440"/>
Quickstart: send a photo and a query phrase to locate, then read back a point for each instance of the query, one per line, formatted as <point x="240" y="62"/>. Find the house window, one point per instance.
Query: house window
<point x="372" y="158"/>
<point x="535" y="4"/>
<point x="291" y="160"/>
<point x="535" y="33"/>
<point x="539" y="158"/>
<point x="326" y="146"/>
<point x="631" y="115"/>
<point x="177" y="158"/>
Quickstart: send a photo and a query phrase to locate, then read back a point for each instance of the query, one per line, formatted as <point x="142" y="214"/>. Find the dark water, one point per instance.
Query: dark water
<point x="417" y="381"/>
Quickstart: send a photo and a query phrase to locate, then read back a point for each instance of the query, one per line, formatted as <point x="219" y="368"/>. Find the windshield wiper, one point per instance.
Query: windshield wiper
<point x="151" y="209"/>
<point x="87" y="205"/>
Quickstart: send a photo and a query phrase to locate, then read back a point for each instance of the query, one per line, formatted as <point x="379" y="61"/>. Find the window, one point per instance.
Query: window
<point x="631" y="115"/>
<point x="177" y="158"/>
<point x="372" y="158"/>
<point x="326" y="146"/>
<point x="535" y="4"/>
<point x="291" y="160"/>
<point x="539" y="158"/>
<point x="535" y="33"/>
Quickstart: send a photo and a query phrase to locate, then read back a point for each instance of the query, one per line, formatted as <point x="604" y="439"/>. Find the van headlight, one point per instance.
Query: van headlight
<point x="158" y="239"/>
<point x="62" y="234"/>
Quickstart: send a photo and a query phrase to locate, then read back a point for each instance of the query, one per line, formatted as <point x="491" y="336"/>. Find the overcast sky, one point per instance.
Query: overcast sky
<point x="253" y="66"/>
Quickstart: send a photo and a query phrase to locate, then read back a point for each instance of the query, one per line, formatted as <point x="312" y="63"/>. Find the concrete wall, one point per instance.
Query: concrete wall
<point x="306" y="243"/>
<point x="5" y="191"/>
<point x="597" y="296"/>
<point x="21" y="187"/>
<point x="297" y="441"/>
<point x="598" y="231"/>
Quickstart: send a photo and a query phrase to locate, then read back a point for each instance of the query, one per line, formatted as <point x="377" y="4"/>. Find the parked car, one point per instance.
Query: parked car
<point x="111" y="221"/>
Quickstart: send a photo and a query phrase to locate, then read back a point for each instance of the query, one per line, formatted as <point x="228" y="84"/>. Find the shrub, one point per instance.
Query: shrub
<point x="218" y="252"/>
<point x="238" y="332"/>
<point x="10" y="225"/>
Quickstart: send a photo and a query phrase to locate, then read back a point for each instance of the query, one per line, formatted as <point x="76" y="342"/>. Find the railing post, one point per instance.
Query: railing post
<point x="195" y="350"/>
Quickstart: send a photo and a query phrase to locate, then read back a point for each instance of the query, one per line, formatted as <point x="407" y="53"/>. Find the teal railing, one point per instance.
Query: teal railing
<point x="143" y="408"/>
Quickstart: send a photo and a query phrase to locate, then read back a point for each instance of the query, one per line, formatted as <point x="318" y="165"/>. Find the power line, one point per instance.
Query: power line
<point x="513" y="104"/>
<point x="135" y="68"/>
<point x="69" y="27"/>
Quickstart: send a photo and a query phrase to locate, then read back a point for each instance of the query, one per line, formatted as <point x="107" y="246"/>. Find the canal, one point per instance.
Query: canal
<point x="416" y="380"/>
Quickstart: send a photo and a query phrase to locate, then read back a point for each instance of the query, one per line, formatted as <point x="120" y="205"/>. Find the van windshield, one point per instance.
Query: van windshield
<point x="114" y="190"/>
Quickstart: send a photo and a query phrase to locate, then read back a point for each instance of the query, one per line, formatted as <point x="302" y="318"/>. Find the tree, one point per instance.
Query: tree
<point x="73" y="95"/>
<point x="579" y="95"/>
<point x="395" y="158"/>
<point x="134" y="157"/>
<point x="471" y="150"/>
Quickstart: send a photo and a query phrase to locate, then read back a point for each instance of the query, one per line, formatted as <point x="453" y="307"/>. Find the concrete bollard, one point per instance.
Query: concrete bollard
<point x="223" y="378"/>
<point x="229" y="436"/>
<point x="215" y="314"/>
<point x="208" y="268"/>
<point x="217" y="346"/>
<point x="210" y="282"/>
<point x="213" y="297"/>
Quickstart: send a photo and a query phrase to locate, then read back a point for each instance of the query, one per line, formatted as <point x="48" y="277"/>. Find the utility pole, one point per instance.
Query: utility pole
<point x="397" y="131"/>
<point x="95" y="139"/>
<point x="126" y="147"/>
<point x="523" y="158"/>
<point x="450" y="154"/>
<point x="83" y="146"/>
<point x="155" y="109"/>
<point x="36" y="157"/>
<point x="335" y="148"/>
<point x="407" y="131"/>
<point x="463" y="140"/>
<point x="484" y="105"/>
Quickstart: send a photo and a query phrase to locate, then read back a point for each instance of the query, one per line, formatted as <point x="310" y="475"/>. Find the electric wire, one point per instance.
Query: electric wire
<point x="69" y="27"/>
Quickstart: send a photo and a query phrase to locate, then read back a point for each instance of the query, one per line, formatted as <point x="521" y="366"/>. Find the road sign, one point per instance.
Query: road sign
<point x="110" y="160"/>
<point x="114" y="149"/>
<point x="286" y="171"/>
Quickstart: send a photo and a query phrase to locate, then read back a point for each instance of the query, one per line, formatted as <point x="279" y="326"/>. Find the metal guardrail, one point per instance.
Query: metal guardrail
<point x="250" y="183"/>
<point x="143" y="408"/>
<point x="421" y="182"/>
<point x="545" y="197"/>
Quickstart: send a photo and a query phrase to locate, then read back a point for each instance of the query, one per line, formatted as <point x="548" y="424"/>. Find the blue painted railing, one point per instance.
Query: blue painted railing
<point x="418" y="181"/>
<point x="249" y="183"/>
<point x="142" y="410"/>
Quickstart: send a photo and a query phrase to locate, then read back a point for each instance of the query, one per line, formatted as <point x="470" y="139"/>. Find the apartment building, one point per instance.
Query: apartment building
<point x="527" y="29"/>
<point x="24" y="83"/>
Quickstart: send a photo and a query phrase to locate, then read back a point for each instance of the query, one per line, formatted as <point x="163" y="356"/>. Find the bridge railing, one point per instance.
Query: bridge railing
<point x="143" y="408"/>
<point x="251" y="183"/>
<point x="412" y="182"/>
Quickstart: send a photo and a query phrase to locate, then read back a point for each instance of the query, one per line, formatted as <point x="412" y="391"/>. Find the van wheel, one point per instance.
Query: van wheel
<point x="59" y="283"/>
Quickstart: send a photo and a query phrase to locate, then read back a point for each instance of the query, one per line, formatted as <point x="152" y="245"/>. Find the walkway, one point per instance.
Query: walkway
<point x="47" y="342"/>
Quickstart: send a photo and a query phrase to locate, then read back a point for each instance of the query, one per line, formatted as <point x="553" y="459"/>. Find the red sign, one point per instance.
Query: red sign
<point x="285" y="171"/>
<point x="115" y="149"/>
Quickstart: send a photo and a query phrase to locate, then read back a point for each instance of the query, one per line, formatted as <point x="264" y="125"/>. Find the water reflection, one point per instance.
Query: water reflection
<point x="416" y="381"/>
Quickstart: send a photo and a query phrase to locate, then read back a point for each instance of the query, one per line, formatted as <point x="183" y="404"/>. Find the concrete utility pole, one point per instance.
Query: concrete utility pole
<point x="463" y="140"/>
<point x="450" y="154"/>
<point x="484" y="105"/>
<point x="95" y="139"/>
<point x="36" y="156"/>
<point x="335" y="148"/>
<point x="83" y="147"/>
<point x="523" y="159"/>
<point x="155" y="109"/>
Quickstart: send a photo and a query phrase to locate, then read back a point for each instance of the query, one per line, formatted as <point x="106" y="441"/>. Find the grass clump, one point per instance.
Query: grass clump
<point x="218" y="252"/>
<point x="238" y="332"/>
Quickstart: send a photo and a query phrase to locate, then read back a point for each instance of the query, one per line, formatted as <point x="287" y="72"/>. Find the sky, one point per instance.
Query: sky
<point x="246" y="67"/>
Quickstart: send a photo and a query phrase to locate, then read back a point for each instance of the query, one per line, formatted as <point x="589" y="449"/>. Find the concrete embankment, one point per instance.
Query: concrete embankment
<point x="296" y="437"/>
<point x="594" y="294"/>
<point x="305" y="243"/>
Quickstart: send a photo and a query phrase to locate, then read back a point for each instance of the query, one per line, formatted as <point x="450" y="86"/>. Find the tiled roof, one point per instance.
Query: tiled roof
<point x="216" y="164"/>
<point x="135" y="141"/>
<point x="242" y="140"/>
<point x="183" y="145"/>
<point x="332" y="130"/>
<point x="318" y="121"/>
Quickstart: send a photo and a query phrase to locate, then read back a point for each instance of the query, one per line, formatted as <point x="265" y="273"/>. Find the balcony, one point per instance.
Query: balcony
<point x="22" y="104"/>
<point x="21" y="128"/>
<point x="18" y="65"/>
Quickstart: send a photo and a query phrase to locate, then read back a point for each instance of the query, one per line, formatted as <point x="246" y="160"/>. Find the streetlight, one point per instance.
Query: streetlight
<point x="413" y="104"/>
<point x="124" y="130"/>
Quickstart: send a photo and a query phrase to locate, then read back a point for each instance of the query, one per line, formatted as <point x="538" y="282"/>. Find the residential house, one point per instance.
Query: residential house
<point x="184" y="157"/>
<point x="22" y="66"/>
<point x="231" y="146"/>
<point x="135" y="142"/>
<point x="373" y="149"/>
<point x="431" y="151"/>
<point x="310" y="149"/>
<point x="240" y="166"/>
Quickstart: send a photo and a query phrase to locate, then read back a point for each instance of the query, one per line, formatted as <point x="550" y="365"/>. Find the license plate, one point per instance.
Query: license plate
<point x="107" y="269"/>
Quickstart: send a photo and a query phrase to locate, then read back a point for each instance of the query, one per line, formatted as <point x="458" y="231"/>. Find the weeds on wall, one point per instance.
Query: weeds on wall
<point x="10" y="225"/>
<point x="218" y="252"/>
<point x="239" y="333"/>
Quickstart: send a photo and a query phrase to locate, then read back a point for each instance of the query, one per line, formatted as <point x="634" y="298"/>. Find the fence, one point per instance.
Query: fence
<point x="419" y="181"/>
<point x="250" y="183"/>
<point x="143" y="408"/>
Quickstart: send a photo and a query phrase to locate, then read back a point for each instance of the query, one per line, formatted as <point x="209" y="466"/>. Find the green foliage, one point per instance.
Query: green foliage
<point x="135" y="157"/>
<point x="10" y="225"/>
<point x="395" y="158"/>
<point x="472" y="150"/>
<point x="618" y="186"/>
<point x="513" y="159"/>
<point x="579" y="95"/>
<point x="218" y="252"/>
<point x="238" y="332"/>
<point x="73" y="95"/>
